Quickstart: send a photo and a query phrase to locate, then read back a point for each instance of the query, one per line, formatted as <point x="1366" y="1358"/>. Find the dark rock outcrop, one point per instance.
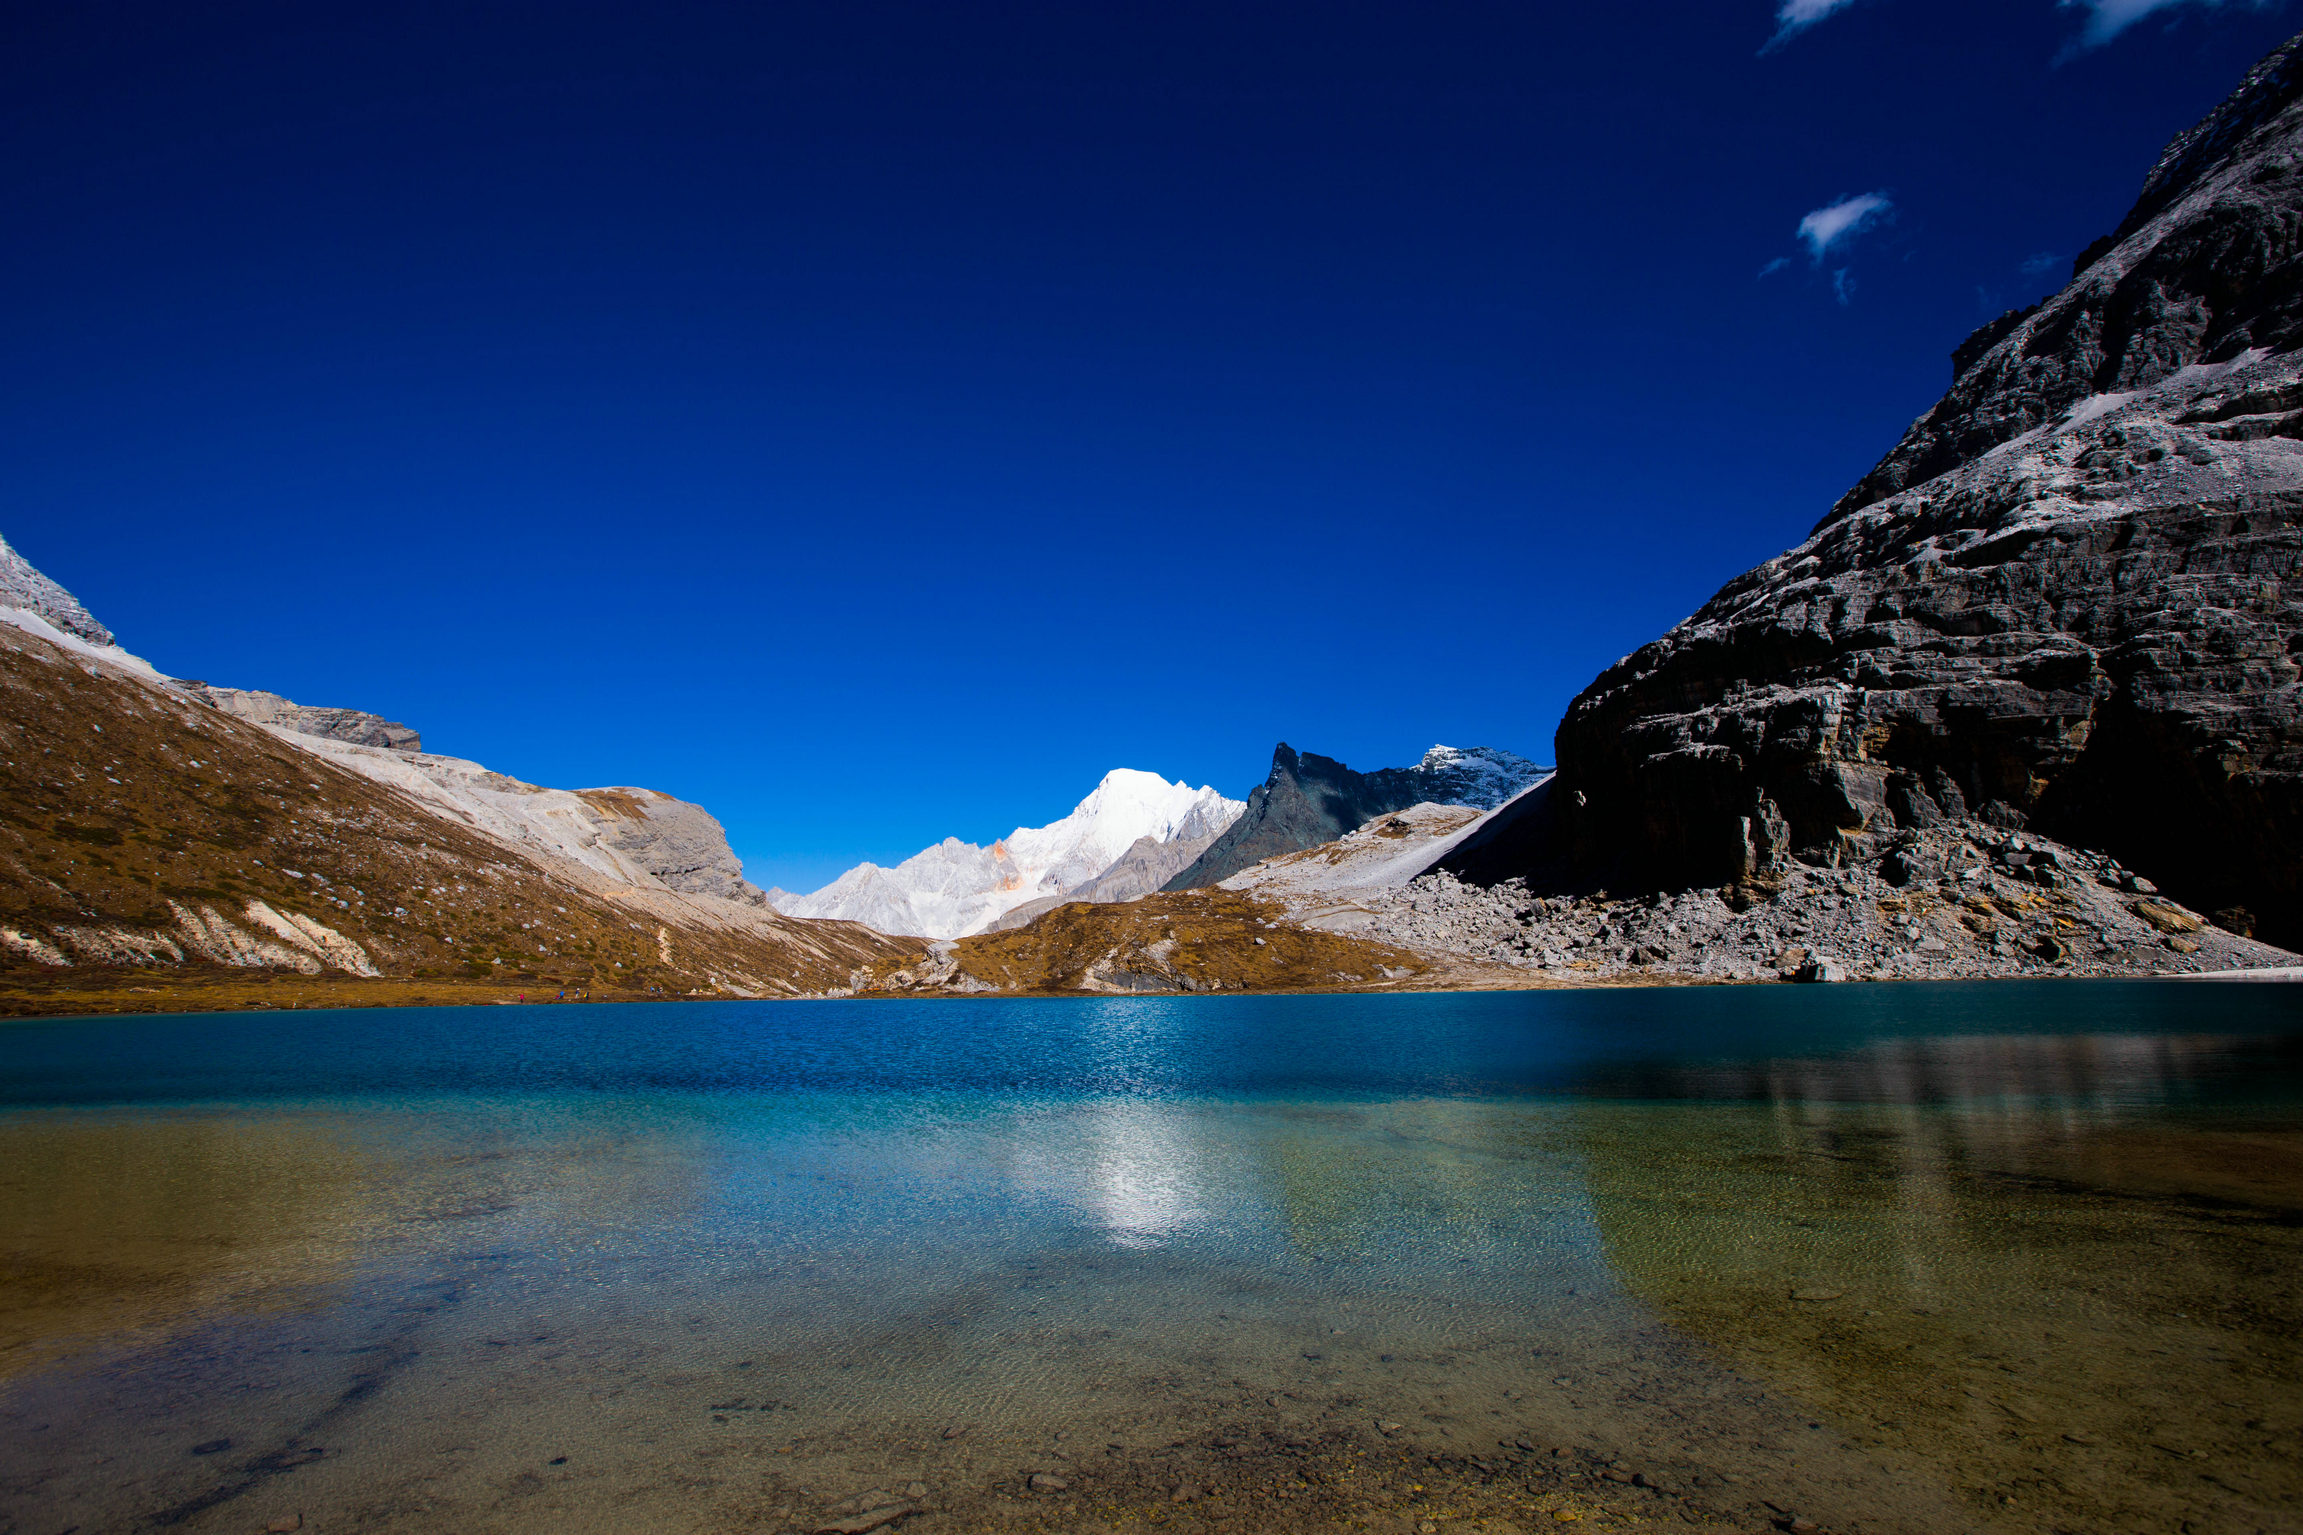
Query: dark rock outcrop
<point x="2069" y="598"/>
<point x="2200" y="270"/>
<point x="1310" y="799"/>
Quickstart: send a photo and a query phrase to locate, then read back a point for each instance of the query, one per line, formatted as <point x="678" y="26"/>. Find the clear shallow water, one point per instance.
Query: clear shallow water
<point x="1900" y="1254"/>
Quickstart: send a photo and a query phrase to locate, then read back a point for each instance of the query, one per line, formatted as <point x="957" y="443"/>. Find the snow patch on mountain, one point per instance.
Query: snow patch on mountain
<point x="1479" y="776"/>
<point x="956" y="888"/>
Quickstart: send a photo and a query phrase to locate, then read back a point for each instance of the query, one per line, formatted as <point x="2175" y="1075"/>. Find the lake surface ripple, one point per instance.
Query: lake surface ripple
<point x="2004" y="1256"/>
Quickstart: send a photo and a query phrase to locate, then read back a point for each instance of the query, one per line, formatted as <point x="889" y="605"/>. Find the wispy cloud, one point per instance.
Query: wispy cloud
<point x="2106" y="19"/>
<point x="2041" y="264"/>
<point x="1842" y="285"/>
<point x="1842" y="221"/>
<point x="1796" y="16"/>
<point x="1775" y="266"/>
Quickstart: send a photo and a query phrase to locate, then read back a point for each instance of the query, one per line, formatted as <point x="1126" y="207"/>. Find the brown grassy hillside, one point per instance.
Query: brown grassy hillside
<point x="1193" y="940"/>
<point x="150" y="841"/>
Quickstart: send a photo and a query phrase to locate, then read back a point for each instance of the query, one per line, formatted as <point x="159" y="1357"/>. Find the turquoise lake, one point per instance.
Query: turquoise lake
<point x="2004" y="1256"/>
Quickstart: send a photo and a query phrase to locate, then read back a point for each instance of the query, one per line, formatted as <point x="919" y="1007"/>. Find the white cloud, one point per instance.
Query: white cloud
<point x="2041" y="264"/>
<point x="2106" y="19"/>
<point x="1775" y="266"/>
<point x="1843" y="220"/>
<point x="1798" y="15"/>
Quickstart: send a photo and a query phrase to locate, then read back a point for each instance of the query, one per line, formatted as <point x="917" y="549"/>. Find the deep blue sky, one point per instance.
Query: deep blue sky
<point x="875" y="422"/>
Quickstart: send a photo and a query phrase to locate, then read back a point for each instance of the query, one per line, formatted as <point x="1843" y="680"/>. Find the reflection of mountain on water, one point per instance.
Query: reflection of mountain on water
<point x="2099" y="1071"/>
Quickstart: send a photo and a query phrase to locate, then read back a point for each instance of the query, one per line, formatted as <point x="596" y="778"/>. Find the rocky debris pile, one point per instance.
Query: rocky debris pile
<point x="1308" y="800"/>
<point x="2070" y="599"/>
<point x="1949" y="902"/>
<point x="356" y="726"/>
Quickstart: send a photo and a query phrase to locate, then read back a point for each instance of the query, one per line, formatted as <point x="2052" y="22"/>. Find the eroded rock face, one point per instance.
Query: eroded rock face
<point x="681" y="844"/>
<point x="354" y="725"/>
<point x="23" y="586"/>
<point x="2069" y="597"/>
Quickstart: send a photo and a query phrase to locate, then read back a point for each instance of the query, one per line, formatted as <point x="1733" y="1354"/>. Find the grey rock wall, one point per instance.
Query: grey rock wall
<point x="681" y="844"/>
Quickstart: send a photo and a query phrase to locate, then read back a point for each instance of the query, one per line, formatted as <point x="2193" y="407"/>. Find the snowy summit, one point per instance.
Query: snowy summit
<point x="956" y="888"/>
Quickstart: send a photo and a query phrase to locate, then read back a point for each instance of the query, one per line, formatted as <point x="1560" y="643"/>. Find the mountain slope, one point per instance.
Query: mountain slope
<point x="354" y="725"/>
<point x="154" y="828"/>
<point x="956" y="888"/>
<point x="633" y="836"/>
<point x="27" y="590"/>
<point x="1308" y="800"/>
<point x="1146" y="866"/>
<point x="2068" y="598"/>
<point x="141" y="828"/>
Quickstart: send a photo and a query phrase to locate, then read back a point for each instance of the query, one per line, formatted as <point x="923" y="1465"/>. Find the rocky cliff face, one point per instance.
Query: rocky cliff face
<point x="23" y="586"/>
<point x="2069" y="597"/>
<point x="1310" y="799"/>
<point x="354" y="725"/>
<point x="681" y="844"/>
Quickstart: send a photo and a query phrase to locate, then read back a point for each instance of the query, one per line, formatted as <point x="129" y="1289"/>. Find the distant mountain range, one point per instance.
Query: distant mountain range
<point x="1131" y="821"/>
<point x="1137" y="833"/>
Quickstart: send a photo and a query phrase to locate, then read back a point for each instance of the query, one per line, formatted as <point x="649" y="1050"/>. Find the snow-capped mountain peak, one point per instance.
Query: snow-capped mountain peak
<point x="956" y="888"/>
<point x="1479" y="776"/>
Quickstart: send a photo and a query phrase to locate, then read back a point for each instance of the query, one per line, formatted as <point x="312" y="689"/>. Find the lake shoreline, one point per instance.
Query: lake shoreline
<point x="130" y="994"/>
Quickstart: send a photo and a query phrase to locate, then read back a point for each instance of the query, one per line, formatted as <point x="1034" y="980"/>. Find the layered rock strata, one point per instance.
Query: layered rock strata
<point x="356" y="726"/>
<point x="2068" y="600"/>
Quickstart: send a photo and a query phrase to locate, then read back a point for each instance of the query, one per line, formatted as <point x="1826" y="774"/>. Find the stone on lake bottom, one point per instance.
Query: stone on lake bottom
<point x="861" y="1523"/>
